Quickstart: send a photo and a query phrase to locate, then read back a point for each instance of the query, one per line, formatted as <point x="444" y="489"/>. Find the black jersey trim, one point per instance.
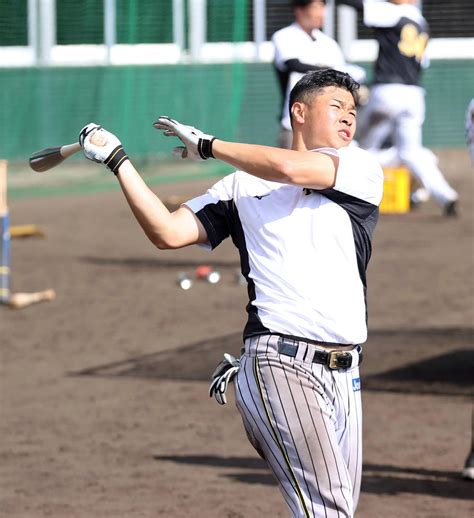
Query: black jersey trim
<point x="220" y="221"/>
<point x="363" y="216"/>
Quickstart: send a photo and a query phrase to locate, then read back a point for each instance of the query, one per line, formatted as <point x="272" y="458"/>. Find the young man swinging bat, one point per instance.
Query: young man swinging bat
<point x="302" y="220"/>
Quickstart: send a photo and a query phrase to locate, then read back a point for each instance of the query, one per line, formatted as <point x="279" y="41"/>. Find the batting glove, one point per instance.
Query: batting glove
<point x="197" y="145"/>
<point x="222" y="376"/>
<point x="102" y="146"/>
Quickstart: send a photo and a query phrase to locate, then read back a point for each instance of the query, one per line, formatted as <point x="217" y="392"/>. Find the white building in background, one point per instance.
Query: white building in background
<point x="42" y="48"/>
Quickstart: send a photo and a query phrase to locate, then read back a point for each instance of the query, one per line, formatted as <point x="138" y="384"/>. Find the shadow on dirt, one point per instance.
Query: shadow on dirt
<point x="149" y="263"/>
<point x="377" y="478"/>
<point x="445" y="367"/>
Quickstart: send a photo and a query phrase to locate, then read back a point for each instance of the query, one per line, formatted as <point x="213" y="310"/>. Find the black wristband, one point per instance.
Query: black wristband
<point x="116" y="159"/>
<point x="205" y="148"/>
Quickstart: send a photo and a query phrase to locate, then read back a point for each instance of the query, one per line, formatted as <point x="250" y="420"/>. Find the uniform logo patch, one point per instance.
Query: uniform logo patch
<point x="356" y="384"/>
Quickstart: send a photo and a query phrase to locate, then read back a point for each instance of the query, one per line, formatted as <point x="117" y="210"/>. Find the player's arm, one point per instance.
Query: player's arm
<point x="375" y="14"/>
<point x="306" y="168"/>
<point x="165" y="229"/>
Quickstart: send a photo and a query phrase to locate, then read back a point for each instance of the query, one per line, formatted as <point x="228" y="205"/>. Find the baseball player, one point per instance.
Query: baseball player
<point x="302" y="220"/>
<point x="470" y="129"/>
<point x="396" y="106"/>
<point x="468" y="470"/>
<point x="302" y="47"/>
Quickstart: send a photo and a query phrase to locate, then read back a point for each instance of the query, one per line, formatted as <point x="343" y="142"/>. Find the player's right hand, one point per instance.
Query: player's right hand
<point x="102" y="146"/>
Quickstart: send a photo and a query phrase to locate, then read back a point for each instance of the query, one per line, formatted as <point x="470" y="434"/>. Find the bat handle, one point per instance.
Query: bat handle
<point x="69" y="149"/>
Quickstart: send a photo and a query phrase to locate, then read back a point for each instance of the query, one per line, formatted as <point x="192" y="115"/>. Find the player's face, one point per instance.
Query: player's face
<point x="312" y="16"/>
<point x="329" y="119"/>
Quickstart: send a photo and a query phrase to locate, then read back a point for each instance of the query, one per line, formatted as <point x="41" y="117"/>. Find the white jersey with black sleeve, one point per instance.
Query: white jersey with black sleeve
<point x="311" y="50"/>
<point x="303" y="252"/>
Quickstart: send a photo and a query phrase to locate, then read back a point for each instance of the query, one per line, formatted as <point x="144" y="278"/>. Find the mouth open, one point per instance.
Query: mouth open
<point x="344" y="134"/>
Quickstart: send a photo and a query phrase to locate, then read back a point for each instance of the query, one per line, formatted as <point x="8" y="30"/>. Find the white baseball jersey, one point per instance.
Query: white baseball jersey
<point x="293" y="42"/>
<point x="303" y="252"/>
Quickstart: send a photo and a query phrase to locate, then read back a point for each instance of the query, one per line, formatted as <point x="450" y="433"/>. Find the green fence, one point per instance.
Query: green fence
<point x="137" y="21"/>
<point x="45" y="107"/>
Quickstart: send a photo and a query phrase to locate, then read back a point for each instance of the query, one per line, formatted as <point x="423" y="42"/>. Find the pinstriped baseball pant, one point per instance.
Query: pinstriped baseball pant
<point x="305" y="420"/>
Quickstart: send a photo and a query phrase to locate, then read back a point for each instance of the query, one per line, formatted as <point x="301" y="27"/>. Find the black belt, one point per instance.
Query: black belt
<point x="333" y="359"/>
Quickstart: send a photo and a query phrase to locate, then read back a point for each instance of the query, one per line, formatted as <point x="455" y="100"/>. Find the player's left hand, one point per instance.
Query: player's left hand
<point x="102" y="146"/>
<point x="197" y="145"/>
<point x="222" y="376"/>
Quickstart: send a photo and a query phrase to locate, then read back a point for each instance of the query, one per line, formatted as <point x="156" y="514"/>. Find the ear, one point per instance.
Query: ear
<point x="298" y="112"/>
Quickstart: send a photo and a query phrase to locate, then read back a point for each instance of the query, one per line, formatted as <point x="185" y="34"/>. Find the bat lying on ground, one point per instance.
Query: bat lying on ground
<point x="21" y="300"/>
<point x="46" y="159"/>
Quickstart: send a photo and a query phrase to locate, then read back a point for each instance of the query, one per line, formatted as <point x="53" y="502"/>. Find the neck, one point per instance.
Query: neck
<point x="307" y="28"/>
<point x="301" y="144"/>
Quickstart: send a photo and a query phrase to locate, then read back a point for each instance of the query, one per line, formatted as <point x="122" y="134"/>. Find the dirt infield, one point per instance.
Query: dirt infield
<point x="104" y="405"/>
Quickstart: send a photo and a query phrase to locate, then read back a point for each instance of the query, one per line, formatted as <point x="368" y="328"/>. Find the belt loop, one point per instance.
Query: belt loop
<point x="301" y="350"/>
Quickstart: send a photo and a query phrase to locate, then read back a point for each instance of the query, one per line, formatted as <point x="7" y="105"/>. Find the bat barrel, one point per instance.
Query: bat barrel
<point x="50" y="157"/>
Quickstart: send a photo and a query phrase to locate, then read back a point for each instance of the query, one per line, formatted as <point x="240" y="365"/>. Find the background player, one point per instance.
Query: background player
<point x="470" y="129"/>
<point x="302" y="221"/>
<point x="468" y="470"/>
<point x="302" y="47"/>
<point x="396" y="106"/>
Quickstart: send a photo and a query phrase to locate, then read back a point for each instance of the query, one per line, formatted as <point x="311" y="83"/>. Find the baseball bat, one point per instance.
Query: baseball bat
<point x="46" y="159"/>
<point x="4" y="236"/>
<point x="21" y="300"/>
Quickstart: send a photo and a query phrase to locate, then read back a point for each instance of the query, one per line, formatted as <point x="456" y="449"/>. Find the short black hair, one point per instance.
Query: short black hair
<point x="303" y="3"/>
<point x="313" y="82"/>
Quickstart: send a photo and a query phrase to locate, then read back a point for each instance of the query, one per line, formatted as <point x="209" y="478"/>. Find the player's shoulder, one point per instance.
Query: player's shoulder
<point x="356" y="152"/>
<point x="330" y="45"/>
<point x="352" y="152"/>
<point x="287" y="33"/>
<point x="318" y="34"/>
<point x="362" y="158"/>
<point x="359" y="174"/>
<point x="356" y="158"/>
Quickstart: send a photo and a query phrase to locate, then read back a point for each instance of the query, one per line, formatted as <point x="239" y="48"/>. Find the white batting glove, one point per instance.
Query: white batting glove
<point x="197" y="145"/>
<point x="222" y="376"/>
<point x="102" y="146"/>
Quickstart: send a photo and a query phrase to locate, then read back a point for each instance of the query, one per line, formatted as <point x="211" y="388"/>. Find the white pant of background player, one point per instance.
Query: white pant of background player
<point x="397" y="111"/>
<point x="305" y="420"/>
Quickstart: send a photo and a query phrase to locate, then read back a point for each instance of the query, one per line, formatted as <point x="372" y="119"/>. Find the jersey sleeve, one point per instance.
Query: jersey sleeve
<point x="380" y="14"/>
<point x="286" y="47"/>
<point x="359" y="175"/>
<point x="214" y="210"/>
